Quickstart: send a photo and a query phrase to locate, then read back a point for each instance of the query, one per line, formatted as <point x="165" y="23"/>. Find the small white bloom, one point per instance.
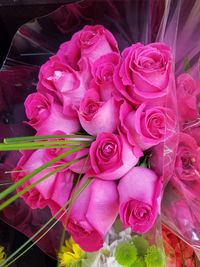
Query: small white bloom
<point x="105" y="257"/>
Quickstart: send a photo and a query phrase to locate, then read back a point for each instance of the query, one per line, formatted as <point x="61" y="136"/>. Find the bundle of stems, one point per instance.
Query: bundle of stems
<point x="73" y="143"/>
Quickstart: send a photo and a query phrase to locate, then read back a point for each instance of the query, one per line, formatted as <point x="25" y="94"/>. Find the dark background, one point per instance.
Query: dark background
<point x="14" y="13"/>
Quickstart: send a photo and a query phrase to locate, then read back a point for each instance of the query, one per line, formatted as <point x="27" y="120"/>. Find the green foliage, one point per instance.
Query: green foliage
<point x="154" y="257"/>
<point x="126" y="253"/>
<point x="76" y="264"/>
<point x="139" y="263"/>
<point x="141" y="245"/>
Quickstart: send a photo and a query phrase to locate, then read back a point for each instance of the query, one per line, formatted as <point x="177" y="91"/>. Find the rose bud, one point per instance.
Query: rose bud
<point x="65" y="83"/>
<point x="42" y="112"/>
<point x="89" y="221"/>
<point x="103" y="71"/>
<point x="147" y="126"/>
<point x="112" y="157"/>
<point x="96" y="41"/>
<point x="91" y="42"/>
<point x="53" y="191"/>
<point x="81" y="166"/>
<point x="140" y="197"/>
<point x="96" y="115"/>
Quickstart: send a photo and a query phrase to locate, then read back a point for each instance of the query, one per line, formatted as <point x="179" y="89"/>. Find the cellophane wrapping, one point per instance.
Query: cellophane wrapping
<point x="175" y="23"/>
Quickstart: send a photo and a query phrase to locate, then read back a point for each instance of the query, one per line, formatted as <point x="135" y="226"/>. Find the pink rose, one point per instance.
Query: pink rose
<point x="61" y="191"/>
<point x="187" y="165"/>
<point x="96" y="115"/>
<point x="147" y="126"/>
<point x="44" y="113"/>
<point x="96" y="41"/>
<point x="69" y="52"/>
<point x="93" y="213"/>
<point x="64" y="82"/>
<point x="37" y="108"/>
<point x="53" y="191"/>
<point x="188" y="91"/>
<point x="140" y="198"/>
<point x="91" y="42"/>
<point x="112" y="157"/>
<point x="80" y="166"/>
<point x="144" y="72"/>
<point x="57" y="77"/>
<point x="193" y="130"/>
<point x="103" y="71"/>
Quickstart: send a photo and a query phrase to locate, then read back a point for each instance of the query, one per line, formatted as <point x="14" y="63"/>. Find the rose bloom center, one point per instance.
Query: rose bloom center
<point x="108" y="149"/>
<point x="157" y="125"/>
<point x="88" y="38"/>
<point x="92" y="108"/>
<point x="188" y="162"/>
<point x="107" y="73"/>
<point x="40" y="109"/>
<point x="152" y="61"/>
<point x="142" y="213"/>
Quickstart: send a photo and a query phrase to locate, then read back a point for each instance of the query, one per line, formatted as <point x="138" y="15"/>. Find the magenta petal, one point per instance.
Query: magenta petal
<point x="34" y="161"/>
<point x="103" y="207"/>
<point x="76" y="212"/>
<point x="89" y="240"/>
<point x="140" y="193"/>
<point x="63" y="123"/>
<point x="105" y="120"/>
<point x="62" y="188"/>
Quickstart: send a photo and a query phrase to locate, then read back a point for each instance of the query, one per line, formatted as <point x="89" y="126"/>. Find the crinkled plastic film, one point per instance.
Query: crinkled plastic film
<point x="176" y="23"/>
<point x="180" y="206"/>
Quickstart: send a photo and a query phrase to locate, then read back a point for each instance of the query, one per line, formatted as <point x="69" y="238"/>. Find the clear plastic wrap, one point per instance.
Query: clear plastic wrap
<point x="180" y="207"/>
<point x="130" y="22"/>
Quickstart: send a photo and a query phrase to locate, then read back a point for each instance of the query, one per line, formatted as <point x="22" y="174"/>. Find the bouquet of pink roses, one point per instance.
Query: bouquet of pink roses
<point x="107" y="127"/>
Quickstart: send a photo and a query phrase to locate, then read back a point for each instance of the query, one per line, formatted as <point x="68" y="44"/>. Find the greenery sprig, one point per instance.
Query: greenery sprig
<point x="74" y="143"/>
<point x="139" y="253"/>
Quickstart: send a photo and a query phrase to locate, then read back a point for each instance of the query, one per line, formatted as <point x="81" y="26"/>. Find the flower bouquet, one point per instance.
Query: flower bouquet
<point x="99" y="124"/>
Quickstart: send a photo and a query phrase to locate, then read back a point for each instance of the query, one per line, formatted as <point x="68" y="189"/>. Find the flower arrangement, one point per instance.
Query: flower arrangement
<point x="80" y="91"/>
<point x="113" y="132"/>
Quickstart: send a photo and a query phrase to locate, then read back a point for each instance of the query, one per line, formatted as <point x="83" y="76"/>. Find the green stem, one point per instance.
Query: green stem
<point x="36" y="171"/>
<point x="44" y="137"/>
<point x="35" y="147"/>
<point x="72" y="199"/>
<point x="65" y="223"/>
<point x="38" y="145"/>
<point x="29" y="187"/>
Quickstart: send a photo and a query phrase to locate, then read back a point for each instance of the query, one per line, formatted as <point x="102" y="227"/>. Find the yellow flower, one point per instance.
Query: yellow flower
<point x="2" y="255"/>
<point x="70" y="253"/>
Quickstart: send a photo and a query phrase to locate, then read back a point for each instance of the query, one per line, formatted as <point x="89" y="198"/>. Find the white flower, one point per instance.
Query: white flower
<point x="105" y="257"/>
